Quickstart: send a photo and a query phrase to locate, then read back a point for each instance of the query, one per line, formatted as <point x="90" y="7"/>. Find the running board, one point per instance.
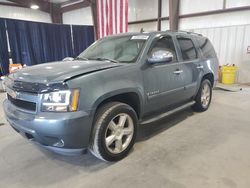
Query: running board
<point x="165" y="114"/>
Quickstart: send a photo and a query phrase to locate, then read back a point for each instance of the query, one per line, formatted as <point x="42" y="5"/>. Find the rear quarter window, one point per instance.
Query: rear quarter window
<point x="206" y="48"/>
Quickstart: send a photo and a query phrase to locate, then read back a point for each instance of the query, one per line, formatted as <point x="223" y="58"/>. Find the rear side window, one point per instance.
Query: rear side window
<point x="188" y="49"/>
<point x="206" y="48"/>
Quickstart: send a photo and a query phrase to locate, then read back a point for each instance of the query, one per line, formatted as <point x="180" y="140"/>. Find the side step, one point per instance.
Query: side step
<point x="165" y="114"/>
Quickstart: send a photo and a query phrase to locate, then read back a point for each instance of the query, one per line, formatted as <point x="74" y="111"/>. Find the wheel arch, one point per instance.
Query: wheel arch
<point x="210" y="77"/>
<point x="129" y="96"/>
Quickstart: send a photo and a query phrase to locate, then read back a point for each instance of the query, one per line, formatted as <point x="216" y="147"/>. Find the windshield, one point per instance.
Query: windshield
<point x="124" y="49"/>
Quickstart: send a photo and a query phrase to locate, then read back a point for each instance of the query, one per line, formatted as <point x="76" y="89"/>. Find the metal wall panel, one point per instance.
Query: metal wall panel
<point x="150" y="26"/>
<point x="237" y="3"/>
<point x="192" y="6"/>
<point x="81" y="16"/>
<point x="165" y="25"/>
<point x="142" y="9"/>
<point x="231" y="45"/>
<point x="217" y="20"/>
<point x="165" y="8"/>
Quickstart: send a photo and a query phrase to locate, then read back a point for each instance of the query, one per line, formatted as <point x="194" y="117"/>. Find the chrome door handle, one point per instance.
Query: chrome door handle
<point x="200" y="67"/>
<point x="178" y="71"/>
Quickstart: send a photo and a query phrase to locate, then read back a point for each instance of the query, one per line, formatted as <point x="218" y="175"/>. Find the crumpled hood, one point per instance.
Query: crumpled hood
<point x="60" y="71"/>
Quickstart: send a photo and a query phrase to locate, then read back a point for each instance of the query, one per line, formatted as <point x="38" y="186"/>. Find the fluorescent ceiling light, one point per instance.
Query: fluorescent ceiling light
<point x="35" y="7"/>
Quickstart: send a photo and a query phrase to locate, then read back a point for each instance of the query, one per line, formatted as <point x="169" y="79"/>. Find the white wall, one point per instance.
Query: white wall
<point x="146" y="9"/>
<point x="217" y="20"/>
<point x="237" y="3"/>
<point x="231" y="45"/>
<point x="24" y="14"/>
<point x="192" y="6"/>
<point x="150" y="26"/>
<point x="81" y="16"/>
<point x="227" y="31"/>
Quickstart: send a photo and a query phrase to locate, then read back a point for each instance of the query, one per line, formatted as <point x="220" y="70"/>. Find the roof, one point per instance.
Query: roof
<point x="153" y="33"/>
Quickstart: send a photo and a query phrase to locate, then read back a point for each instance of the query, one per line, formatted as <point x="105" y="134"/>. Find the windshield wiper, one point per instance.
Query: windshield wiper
<point x="81" y="58"/>
<point x="105" y="59"/>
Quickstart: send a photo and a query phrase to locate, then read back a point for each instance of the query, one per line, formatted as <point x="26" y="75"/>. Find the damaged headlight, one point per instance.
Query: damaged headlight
<point x="60" y="101"/>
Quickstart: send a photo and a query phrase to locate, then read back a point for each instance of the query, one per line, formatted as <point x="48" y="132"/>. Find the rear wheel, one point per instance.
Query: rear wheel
<point x="204" y="96"/>
<point x="114" y="131"/>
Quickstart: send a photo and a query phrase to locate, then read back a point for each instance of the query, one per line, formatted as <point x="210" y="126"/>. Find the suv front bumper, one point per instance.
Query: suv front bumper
<point x="65" y="133"/>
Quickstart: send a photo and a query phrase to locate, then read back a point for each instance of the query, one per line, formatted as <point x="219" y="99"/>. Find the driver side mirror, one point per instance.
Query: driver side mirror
<point x="161" y="56"/>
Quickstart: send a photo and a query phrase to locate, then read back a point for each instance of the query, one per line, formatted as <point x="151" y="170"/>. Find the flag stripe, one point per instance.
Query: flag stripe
<point x="115" y="16"/>
<point x="126" y="15"/>
<point x="107" y="18"/>
<point x="121" y="16"/>
<point x="102" y="19"/>
<point x="112" y="17"/>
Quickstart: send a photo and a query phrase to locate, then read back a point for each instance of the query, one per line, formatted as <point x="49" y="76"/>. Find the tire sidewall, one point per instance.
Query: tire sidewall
<point x="105" y="153"/>
<point x="200" y="93"/>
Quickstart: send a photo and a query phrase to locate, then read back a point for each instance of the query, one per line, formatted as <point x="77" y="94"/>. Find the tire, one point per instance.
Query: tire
<point x="109" y="141"/>
<point x="203" y="98"/>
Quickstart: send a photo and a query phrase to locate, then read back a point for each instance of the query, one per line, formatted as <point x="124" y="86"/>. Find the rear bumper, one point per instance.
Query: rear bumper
<point x="64" y="133"/>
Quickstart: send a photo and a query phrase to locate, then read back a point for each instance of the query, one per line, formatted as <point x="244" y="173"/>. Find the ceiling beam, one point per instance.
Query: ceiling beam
<point x="74" y="6"/>
<point x="43" y="5"/>
<point x="11" y="4"/>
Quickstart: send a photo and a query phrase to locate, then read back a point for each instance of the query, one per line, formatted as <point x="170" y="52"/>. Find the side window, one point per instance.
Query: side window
<point x="206" y="47"/>
<point x="164" y="43"/>
<point x="188" y="49"/>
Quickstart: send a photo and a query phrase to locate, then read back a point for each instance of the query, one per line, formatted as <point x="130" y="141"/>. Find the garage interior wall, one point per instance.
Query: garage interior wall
<point x="227" y="31"/>
<point x="81" y="16"/>
<point x="146" y="9"/>
<point x="20" y="13"/>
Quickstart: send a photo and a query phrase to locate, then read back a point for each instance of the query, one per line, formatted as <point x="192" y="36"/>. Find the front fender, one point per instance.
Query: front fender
<point x="118" y="92"/>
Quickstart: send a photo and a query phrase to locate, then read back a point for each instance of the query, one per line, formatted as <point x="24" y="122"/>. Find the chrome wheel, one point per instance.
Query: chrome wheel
<point x="119" y="133"/>
<point x="205" y="95"/>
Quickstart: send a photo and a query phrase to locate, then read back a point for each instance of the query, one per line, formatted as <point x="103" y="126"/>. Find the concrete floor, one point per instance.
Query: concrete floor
<point x="195" y="150"/>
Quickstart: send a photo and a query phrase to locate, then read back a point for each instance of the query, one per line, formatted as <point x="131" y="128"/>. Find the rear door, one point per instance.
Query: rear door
<point x="190" y="65"/>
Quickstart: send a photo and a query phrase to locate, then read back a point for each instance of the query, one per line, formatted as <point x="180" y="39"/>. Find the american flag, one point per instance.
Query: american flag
<point x="112" y="17"/>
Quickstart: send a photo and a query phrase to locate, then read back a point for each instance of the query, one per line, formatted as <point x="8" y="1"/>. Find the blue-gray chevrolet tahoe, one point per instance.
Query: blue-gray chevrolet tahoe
<point x="97" y="100"/>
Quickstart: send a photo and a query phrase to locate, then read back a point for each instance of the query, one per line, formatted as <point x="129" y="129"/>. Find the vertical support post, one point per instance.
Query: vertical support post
<point x="174" y="14"/>
<point x="56" y="14"/>
<point x="94" y="16"/>
<point x="159" y="15"/>
<point x="224" y="4"/>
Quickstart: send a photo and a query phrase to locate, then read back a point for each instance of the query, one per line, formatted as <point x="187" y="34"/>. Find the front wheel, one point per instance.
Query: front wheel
<point x="204" y="96"/>
<point x="114" y="131"/>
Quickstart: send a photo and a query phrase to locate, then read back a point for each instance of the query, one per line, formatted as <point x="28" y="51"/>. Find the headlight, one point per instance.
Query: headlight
<point x="60" y="101"/>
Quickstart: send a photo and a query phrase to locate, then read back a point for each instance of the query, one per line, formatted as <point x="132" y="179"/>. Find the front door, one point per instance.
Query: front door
<point x="163" y="82"/>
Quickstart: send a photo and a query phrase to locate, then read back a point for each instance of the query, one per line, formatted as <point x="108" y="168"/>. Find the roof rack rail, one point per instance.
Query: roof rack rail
<point x="186" y="32"/>
<point x="189" y="32"/>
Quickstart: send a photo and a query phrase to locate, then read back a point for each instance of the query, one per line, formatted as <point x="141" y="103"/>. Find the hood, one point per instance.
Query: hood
<point x="60" y="71"/>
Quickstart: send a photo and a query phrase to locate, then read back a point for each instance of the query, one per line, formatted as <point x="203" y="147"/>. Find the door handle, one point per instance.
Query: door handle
<point x="200" y="67"/>
<point x="178" y="71"/>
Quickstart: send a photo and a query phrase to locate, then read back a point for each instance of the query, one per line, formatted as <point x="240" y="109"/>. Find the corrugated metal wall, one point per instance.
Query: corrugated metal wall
<point x="146" y="9"/>
<point x="231" y="45"/>
<point x="81" y="16"/>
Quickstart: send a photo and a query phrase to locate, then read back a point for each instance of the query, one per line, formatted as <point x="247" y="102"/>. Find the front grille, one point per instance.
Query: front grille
<point x="26" y="105"/>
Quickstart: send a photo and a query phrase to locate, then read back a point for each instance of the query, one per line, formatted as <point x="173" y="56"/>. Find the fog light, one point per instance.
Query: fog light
<point x="59" y="144"/>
